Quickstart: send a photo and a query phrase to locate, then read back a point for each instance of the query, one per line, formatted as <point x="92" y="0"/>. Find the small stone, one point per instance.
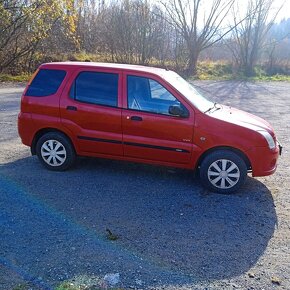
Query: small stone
<point x="138" y="282"/>
<point x="276" y="280"/>
<point x="112" y="279"/>
<point x="251" y="275"/>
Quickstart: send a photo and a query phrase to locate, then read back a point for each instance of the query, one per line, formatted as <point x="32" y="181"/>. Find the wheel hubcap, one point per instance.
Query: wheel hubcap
<point x="53" y="153"/>
<point x="223" y="173"/>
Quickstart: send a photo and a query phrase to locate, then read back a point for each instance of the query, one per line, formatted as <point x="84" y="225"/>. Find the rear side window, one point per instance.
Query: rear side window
<point x="45" y="83"/>
<point x="96" y="88"/>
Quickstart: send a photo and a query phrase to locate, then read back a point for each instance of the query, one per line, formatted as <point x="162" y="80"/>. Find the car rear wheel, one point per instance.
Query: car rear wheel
<point x="223" y="171"/>
<point x="55" y="151"/>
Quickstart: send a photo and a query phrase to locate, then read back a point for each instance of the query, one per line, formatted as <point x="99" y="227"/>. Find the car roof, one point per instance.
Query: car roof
<point x="130" y="67"/>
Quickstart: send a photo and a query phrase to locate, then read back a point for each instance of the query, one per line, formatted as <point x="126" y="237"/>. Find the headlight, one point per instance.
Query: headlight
<point x="269" y="138"/>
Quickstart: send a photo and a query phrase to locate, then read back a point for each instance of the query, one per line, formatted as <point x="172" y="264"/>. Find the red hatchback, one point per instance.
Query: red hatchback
<point x="141" y="114"/>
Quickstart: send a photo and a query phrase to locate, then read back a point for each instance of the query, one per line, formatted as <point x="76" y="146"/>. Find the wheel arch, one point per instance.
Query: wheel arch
<point x="232" y="149"/>
<point x="44" y="131"/>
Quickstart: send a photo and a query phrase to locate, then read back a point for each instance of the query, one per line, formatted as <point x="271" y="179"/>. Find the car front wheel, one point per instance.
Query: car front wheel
<point x="223" y="171"/>
<point x="55" y="151"/>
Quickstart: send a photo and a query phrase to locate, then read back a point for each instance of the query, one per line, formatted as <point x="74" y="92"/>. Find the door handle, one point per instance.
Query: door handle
<point x="71" y="108"/>
<point x="136" y="118"/>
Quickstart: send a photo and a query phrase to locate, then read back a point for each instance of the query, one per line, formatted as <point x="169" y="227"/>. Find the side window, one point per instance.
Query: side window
<point x="96" y="88"/>
<point x="148" y="95"/>
<point x="45" y="83"/>
<point x="159" y="92"/>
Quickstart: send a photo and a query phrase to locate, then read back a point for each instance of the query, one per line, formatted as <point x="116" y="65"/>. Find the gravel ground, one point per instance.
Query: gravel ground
<point x="171" y="233"/>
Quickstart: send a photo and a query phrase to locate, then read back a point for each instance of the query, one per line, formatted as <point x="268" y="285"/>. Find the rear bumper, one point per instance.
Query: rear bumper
<point x="264" y="160"/>
<point x="280" y="147"/>
<point x="25" y="128"/>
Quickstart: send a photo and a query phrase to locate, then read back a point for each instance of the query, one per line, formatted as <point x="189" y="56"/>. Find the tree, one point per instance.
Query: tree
<point x="25" y="24"/>
<point x="200" y="23"/>
<point x="249" y="36"/>
<point x="132" y="32"/>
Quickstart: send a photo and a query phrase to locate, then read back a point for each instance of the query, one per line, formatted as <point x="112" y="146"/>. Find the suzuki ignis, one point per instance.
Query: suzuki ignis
<point x="141" y="114"/>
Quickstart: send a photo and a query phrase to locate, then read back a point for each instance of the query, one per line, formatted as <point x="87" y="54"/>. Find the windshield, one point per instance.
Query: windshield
<point x="188" y="91"/>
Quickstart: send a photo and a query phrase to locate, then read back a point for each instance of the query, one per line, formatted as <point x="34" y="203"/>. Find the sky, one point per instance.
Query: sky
<point x="285" y="11"/>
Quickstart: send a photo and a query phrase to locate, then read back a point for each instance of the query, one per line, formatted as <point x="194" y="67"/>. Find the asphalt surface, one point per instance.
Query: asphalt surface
<point x="171" y="233"/>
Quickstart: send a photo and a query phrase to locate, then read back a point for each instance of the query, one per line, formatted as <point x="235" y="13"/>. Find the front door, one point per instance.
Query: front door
<point x="149" y="131"/>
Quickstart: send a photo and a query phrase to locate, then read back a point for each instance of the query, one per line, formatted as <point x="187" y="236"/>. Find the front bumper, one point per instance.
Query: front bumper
<point x="263" y="160"/>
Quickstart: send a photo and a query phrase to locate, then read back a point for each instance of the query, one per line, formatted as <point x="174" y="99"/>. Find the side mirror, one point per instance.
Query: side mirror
<point x="178" y="110"/>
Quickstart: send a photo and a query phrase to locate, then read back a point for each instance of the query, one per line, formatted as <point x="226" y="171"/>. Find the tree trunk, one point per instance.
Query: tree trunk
<point x="191" y="69"/>
<point x="249" y="70"/>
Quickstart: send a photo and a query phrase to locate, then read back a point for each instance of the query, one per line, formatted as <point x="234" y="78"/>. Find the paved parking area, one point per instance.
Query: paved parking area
<point x="171" y="233"/>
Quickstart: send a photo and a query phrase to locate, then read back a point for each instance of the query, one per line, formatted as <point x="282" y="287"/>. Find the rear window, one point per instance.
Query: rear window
<point x="45" y="83"/>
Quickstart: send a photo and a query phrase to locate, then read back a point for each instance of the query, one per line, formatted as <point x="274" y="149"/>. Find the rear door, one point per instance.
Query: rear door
<point x="149" y="131"/>
<point x="91" y="108"/>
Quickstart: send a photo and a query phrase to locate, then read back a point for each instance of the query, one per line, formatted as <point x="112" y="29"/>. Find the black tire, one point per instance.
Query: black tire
<point x="55" y="151"/>
<point x="223" y="171"/>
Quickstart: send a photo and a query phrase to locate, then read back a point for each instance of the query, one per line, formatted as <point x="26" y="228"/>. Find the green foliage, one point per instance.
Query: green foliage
<point x="70" y="286"/>
<point x="24" y="25"/>
<point x="225" y="71"/>
<point x="24" y="286"/>
<point x="67" y="286"/>
<point x="12" y="78"/>
<point x="207" y="70"/>
<point x="279" y="78"/>
<point x="84" y="282"/>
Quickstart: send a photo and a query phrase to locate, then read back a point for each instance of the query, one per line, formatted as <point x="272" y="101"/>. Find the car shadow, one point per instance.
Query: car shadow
<point x="168" y="229"/>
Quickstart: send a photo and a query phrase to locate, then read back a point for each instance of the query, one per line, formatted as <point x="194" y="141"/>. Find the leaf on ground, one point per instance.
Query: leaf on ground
<point x="111" y="236"/>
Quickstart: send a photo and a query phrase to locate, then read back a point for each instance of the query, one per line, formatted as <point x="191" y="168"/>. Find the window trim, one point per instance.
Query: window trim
<point x="159" y="114"/>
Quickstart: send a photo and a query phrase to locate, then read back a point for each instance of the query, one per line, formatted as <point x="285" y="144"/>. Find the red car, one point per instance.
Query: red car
<point x="141" y="114"/>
